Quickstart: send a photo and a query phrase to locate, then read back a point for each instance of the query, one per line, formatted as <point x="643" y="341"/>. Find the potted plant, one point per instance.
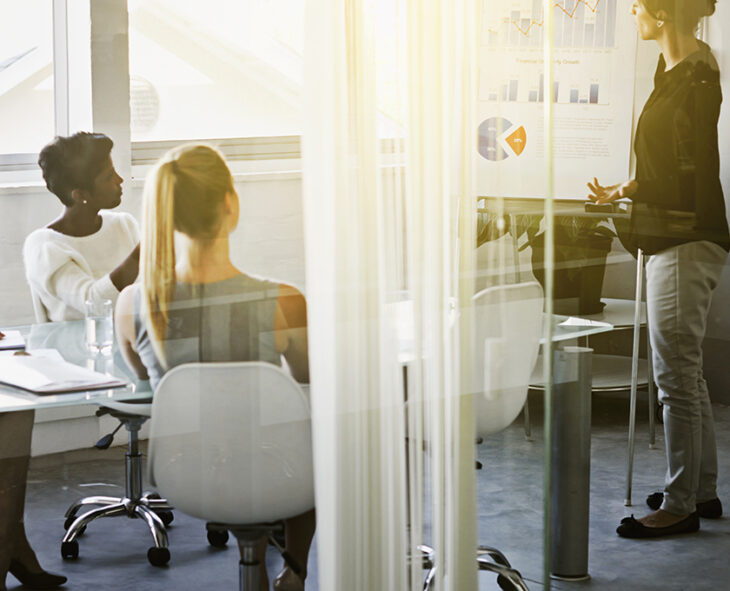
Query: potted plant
<point x="582" y="244"/>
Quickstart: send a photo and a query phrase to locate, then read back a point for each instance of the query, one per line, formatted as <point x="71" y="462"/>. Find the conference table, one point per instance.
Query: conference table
<point x="571" y="379"/>
<point x="69" y="339"/>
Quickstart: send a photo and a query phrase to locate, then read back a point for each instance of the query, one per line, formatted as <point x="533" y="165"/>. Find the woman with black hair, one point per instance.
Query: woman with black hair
<point x="86" y="253"/>
<point x="678" y="220"/>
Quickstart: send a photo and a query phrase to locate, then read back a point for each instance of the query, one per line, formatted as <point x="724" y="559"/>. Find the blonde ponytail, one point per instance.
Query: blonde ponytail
<point x="185" y="192"/>
<point x="157" y="260"/>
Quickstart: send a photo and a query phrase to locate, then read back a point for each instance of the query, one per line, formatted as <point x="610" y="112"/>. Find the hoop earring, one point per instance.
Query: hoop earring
<point x="660" y="23"/>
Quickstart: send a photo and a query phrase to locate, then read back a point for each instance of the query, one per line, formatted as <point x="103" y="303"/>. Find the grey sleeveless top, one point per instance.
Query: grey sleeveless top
<point x="230" y="320"/>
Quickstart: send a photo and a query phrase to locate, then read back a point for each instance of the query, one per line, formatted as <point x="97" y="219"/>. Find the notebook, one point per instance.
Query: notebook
<point x="11" y="339"/>
<point x="44" y="374"/>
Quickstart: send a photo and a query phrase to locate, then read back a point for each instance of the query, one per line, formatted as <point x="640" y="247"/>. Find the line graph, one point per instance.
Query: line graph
<point x="577" y="24"/>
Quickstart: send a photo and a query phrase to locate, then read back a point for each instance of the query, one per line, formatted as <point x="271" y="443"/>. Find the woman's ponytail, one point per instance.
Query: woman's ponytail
<point x="185" y="192"/>
<point x="157" y="261"/>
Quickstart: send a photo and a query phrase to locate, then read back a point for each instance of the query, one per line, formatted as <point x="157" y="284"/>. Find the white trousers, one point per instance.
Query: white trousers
<point x="679" y="285"/>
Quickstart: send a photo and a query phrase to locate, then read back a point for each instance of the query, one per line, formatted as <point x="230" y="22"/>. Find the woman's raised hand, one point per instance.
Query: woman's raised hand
<point x="609" y="193"/>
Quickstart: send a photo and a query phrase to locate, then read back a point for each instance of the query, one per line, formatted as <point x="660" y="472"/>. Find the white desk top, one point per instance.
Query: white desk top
<point x="564" y="328"/>
<point x="69" y="339"/>
<point x="619" y="313"/>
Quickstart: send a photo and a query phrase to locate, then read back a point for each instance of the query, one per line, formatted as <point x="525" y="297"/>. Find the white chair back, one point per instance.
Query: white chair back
<point x="508" y="326"/>
<point x="231" y="442"/>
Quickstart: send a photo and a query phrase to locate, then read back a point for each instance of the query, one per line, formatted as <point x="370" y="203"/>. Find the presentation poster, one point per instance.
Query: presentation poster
<point x="593" y="93"/>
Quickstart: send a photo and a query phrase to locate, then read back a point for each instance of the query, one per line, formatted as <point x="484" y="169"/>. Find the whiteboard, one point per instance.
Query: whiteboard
<point x="594" y="60"/>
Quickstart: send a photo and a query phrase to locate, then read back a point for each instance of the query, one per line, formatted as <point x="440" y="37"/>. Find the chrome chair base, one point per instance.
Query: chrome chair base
<point x="488" y="559"/>
<point x="156" y="512"/>
<point x="491" y="559"/>
<point x="248" y="537"/>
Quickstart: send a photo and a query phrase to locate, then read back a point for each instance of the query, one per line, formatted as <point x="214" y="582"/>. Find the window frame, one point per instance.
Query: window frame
<point x="142" y="153"/>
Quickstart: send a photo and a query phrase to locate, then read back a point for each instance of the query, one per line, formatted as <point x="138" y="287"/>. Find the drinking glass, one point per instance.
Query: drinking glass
<point x="99" y="326"/>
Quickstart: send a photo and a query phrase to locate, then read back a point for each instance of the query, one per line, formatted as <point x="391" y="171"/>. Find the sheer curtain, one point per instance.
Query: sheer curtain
<point x="389" y="206"/>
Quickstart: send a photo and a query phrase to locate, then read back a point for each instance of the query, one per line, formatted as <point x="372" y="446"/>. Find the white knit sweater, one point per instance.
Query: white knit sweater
<point x="65" y="271"/>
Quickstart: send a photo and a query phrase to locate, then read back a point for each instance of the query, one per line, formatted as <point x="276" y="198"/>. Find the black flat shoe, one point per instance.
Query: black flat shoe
<point x="41" y="580"/>
<point x="631" y="528"/>
<point x="708" y="509"/>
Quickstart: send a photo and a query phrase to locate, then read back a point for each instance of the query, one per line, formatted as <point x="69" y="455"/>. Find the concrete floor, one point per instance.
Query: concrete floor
<point x="113" y="551"/>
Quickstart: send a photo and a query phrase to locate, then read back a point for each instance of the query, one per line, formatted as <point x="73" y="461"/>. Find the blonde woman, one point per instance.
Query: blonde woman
<point x="197" y="306"/>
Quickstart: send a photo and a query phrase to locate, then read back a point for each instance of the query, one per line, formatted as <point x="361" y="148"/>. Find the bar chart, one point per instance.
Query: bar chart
<point x="577" y="24"/>
<point x="525" y="86"/>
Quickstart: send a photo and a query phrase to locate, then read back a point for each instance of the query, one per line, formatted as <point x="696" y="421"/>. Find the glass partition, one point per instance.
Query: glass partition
<point x="486" y="224"/>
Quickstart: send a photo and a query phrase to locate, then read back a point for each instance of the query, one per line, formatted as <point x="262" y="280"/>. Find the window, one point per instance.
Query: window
<point x="26" y="76"/>
<point x="215" y="69"/>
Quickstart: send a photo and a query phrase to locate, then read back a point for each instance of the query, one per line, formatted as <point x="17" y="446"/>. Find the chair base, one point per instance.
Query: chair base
<point x="492" y="559"/>
<point x="428" y="563"/>
<point x="248" y="537"/>
<point x="488" y="558"/>
<point x="156" y="512"/>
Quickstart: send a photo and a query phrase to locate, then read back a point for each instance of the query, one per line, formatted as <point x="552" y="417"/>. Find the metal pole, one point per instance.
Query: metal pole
<point x="571" y="465"/>
<point x="249" y="568"/>
<point x="634" y="372"/>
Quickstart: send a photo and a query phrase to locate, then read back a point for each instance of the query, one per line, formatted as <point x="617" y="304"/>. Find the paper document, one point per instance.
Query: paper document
<point x="11" y="339"/>
<point x="48" y="375"/>
<point x="575" y="321"/>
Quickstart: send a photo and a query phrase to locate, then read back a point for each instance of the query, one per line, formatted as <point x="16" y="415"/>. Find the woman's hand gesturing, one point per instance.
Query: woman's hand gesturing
<point x="609" y="193"/>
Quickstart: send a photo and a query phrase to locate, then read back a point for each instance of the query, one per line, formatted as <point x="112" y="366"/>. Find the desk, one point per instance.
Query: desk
<point x="69" y="339"/>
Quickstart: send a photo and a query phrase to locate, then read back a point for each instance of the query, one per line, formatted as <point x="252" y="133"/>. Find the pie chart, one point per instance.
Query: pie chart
<point x="499" y="138"/>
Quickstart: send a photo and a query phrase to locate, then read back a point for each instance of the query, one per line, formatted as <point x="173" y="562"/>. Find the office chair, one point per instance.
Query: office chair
<point x="230" y="443"/>
<point x="155" y="511"/>
<point x="508" y="326"/>
<point x="508" y="321"/>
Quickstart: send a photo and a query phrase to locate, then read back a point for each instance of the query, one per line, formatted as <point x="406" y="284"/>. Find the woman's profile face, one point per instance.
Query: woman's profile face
<point x="107" y="189"/>
<point x="646" y="24"/>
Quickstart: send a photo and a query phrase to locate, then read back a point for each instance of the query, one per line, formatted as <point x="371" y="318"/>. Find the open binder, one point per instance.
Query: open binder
<point x="48" y="375"/>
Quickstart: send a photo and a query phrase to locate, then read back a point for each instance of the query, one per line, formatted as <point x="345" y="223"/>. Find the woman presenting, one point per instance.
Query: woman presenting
<point x="678" y="220"/>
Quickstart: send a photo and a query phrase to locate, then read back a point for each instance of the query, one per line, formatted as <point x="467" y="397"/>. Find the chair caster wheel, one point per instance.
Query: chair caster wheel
<point x="158" y="556"/>
<point x="166" y="516"/>
<point x="69" y="521"/>
<point x="217" y="538"/>
<point x="70" y="550"/>
<point x="506" y="584"/>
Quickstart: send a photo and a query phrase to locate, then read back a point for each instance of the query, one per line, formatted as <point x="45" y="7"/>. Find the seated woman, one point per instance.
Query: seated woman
<point x="84" y="254"/>
<point x="199" y="306"/>
<point x="87" y="253"/>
